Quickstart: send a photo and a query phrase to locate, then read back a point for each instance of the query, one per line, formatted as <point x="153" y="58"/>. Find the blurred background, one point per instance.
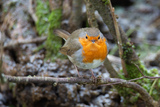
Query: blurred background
<point x="29" y="48"/>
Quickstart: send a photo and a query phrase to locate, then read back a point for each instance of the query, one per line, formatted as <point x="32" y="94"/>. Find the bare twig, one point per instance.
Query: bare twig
<point x="144" y="76"/>
<point x="30" y="10"/>
<point x="119" y="41"/>
<point x="12" y="43"/>
<point x="1" y="55"/>
<point x="35" y="79"/>
<point x="113" y="73"/>
<point x="145" y="96"/>
<point x="138" y="69"/>
<point x="150" y="91"/>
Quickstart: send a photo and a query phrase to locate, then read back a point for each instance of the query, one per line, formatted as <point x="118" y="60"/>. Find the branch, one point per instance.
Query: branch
<point x="90" y="14"/>
<point x="99" y="81"/>
<point x="118" y="38"/>
<point x="30" y="10"/>
<point x="1" y="57"/>
<point x="107" y="64"/>
<point x="14" y="43"/>
<point x="144" y="76"/>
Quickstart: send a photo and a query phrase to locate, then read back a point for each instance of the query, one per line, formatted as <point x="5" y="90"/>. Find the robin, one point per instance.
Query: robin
<point x="86" y="48"/>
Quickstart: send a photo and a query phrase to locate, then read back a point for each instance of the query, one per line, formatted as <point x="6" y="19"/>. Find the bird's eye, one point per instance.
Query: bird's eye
<point x="99" y="37"/>
<point x="86" y="37"/>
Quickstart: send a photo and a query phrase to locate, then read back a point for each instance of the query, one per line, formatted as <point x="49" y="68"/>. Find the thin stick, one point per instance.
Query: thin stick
<point x="92" y="73"/>
<point x="1" y="57"/>
<point x="150" y="92"/>
<point x="138" y="68"/>
<point x="30" y="9"/>
<point x="143" y="74"/>
<point x="12" y="43"/>
<point x="119" y="41"/>
<point x="77" y="70"/>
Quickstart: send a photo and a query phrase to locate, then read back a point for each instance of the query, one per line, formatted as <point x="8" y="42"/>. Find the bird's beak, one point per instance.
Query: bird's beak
<point x="93" y="41"/>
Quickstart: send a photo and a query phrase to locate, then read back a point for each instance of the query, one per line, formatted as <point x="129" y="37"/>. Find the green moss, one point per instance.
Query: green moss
<point x="53" y="42"/>
<point x="42" y="13"/>
<point x="149" y="85"/>
<point x="127" y="51"/>
<point x="47" y="22"/>
<point x="106" y="2"/>
<point x="127" y="94"/>
<point x="133" y="71"/>
<point x="39" y="48"/>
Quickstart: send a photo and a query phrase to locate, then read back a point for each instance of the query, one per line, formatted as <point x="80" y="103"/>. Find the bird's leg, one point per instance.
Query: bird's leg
<point x="77" y="71"/>
<point x="92" y="74"/>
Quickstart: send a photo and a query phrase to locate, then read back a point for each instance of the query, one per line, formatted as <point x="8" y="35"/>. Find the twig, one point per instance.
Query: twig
<point x="1" y="57"/>
<point x="12" y="43"/>
<point x="144" y="76"/>
<point x="138" y="68"/>
<point x="30" y="10"/>
<point x="119" y="41"/>
<point x="145" y="96"/>
<point x="150" y="92"/>
<point x="113" y="73"/>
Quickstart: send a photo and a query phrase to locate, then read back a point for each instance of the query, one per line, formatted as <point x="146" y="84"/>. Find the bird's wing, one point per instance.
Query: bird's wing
<point x="70" y="47"/>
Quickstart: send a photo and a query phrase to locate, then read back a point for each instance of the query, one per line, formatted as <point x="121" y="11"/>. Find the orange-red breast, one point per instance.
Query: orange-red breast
<point x="86" y="47"/>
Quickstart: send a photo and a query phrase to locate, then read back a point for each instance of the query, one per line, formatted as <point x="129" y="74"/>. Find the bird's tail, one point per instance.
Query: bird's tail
<point x="62" y="33"/>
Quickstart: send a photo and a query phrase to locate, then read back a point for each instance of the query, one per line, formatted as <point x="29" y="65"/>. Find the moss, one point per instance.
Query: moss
<point x="53" y="42"/>
<point x="42" y="13"/>
<point x="47" y="22"/>
<point x="127" y="94"/>
<point x="39" y="48"/>
<point x="149" y="85"/>
<point x="133" y="72"/>
<point x="106" y="2"/>
<point x="127" y="51"/>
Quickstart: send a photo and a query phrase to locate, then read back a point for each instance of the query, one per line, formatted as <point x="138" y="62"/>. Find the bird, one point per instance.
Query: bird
<point x="86" y="48"/>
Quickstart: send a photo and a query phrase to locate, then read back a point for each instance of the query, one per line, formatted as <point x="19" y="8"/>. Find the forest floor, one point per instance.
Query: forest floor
<point x="141" y="22"/>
